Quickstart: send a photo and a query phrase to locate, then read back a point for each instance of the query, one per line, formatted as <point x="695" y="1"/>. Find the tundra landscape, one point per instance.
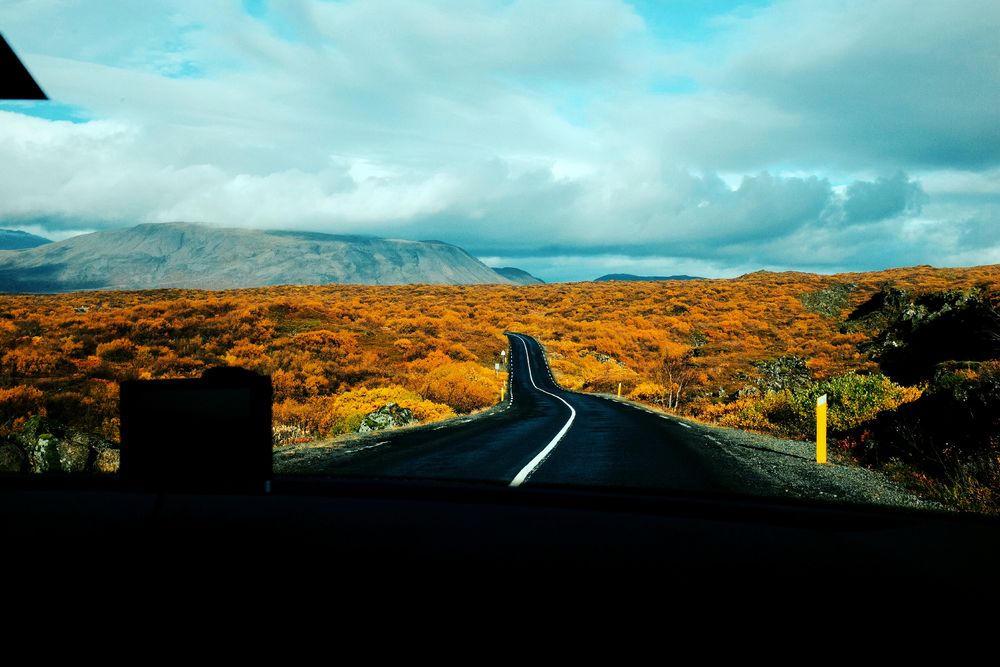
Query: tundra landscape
<point x="906" y="356"/>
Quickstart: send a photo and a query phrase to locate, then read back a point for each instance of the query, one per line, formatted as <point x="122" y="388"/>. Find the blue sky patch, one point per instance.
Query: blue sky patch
<point x="48" y="109"/>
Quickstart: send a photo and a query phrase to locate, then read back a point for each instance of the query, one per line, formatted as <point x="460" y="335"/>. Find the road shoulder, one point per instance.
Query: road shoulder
<point x="791" y="470"/>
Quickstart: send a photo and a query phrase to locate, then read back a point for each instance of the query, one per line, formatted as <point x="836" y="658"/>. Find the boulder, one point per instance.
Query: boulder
<point x="390" y="415"/>
<point x="915" y="333"/>
<point x="49" y="446"/>
<point x="107" y="461"/>
<point x="601" y="357"/>
<point x="11" y="458"/>
<point x="43" y="453"/>
<point x="88" y="440"/>
<point x="73" y="456"/>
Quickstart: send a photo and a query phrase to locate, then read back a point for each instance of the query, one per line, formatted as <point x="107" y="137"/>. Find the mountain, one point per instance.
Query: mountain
<point x="517" y="275"/>
<point x="186" y="255"/>
<point x="11" y="239"/>
<point x="629" y="276"/>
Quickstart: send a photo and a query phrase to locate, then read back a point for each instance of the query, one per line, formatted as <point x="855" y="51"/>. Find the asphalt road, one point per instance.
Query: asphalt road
<point x="546" y="435"/>
<point x="566" y="522"/>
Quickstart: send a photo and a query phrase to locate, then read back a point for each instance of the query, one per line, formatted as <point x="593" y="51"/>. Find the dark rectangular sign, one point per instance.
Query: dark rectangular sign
<point x="207" y="434"/>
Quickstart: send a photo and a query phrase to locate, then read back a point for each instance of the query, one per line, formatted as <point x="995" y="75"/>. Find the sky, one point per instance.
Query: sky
<point x="569" y="138"/>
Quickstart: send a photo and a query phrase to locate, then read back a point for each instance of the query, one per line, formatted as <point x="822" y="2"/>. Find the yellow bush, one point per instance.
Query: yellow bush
<point x="465" y="386"/>
<point x="648" y="391"/>
<point x="342" y="413"/>
<point x="748" y="419"/>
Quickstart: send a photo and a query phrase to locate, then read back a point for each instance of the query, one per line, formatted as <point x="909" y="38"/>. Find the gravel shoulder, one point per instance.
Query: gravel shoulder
<point x="792" y="472"/>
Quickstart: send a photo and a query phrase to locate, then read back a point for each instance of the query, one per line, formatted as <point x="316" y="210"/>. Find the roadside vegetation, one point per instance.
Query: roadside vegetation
<point x="907" y="357"/>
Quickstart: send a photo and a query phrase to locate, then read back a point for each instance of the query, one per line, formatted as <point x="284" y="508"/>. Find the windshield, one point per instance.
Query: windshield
<point x="727" y="247"/>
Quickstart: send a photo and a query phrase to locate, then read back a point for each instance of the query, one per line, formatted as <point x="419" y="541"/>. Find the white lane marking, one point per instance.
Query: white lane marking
<point x="364" y="447"/>
<point x="683" y="424"/>
<point x="713" y="439"/>
<point x="542" y="455"/>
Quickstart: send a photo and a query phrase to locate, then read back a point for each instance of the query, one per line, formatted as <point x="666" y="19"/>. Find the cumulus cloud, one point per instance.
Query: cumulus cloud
<point x="884" y="198"/>
<point x="841" y="135"/>
<point x="877" y="83"/>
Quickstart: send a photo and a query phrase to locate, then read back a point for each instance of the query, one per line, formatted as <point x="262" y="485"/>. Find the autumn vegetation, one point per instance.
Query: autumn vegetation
<point x="751" y="353"/>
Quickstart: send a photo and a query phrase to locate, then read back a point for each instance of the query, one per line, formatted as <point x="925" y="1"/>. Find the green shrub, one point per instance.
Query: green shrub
<point x="852" y="400"/>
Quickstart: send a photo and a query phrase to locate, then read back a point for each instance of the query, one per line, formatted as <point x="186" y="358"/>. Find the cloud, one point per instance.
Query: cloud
<point x="835" y="135"/>
<point x="99" y="171"/>
<point x="885" y="198"/>
<point x="877" y="83"/>
<point x="96" y="172"/>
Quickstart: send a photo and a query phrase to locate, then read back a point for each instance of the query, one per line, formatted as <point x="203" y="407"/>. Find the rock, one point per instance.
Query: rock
<point x="49" y="446"/>
<point x="107" y="461"/>
<point x="914" y="333"/>
<point x="601" y="357"/>
<point x="389" y="415"/>
<point x="788" y="372"/>
<point x="89" y="440"/>
<point x="73" y="456"/>
<point x="11" y="458"/>
<point x="43" y="454"/>
<point x="829" y="302"/>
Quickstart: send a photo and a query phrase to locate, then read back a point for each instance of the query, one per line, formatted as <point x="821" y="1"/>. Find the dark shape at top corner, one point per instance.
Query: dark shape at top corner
<point x="16" y="83"/>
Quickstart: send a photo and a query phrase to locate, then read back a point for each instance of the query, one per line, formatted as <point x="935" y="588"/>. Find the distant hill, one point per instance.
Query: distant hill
<point x="517" y="275"/>
<point x="186" y="255"/>
<point x="12" y="239"/>
<point x="629" y="276"/>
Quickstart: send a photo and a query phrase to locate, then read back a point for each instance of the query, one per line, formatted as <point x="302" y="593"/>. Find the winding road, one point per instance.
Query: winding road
<point x="545" y="435"/>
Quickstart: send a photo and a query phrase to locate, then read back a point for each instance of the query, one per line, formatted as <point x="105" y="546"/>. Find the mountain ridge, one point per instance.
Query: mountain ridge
<point x="189" y="255"/>
<point x="519" y="276"/>
<point x="15" y="239"/>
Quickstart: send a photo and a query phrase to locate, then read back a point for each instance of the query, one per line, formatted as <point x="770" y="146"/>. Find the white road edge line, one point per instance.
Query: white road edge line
<point x="683" y="424"/>
<point x="542" y="455"/>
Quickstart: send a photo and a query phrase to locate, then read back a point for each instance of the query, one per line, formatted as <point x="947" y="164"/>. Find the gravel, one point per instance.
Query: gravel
<point x="791" y="469"/>
<point x="788" y="469"/>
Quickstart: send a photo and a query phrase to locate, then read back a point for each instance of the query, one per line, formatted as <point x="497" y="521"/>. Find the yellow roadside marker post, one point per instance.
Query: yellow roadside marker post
<point x="821" y="429"/>
<point x="619" y="390"/>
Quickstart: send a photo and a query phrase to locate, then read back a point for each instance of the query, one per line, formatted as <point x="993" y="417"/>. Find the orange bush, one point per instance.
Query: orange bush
<point x="342" y="413"/>
<point x="696" y="339"/>
<point x="119" y="350"/>
<point x="17" y="404"/>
